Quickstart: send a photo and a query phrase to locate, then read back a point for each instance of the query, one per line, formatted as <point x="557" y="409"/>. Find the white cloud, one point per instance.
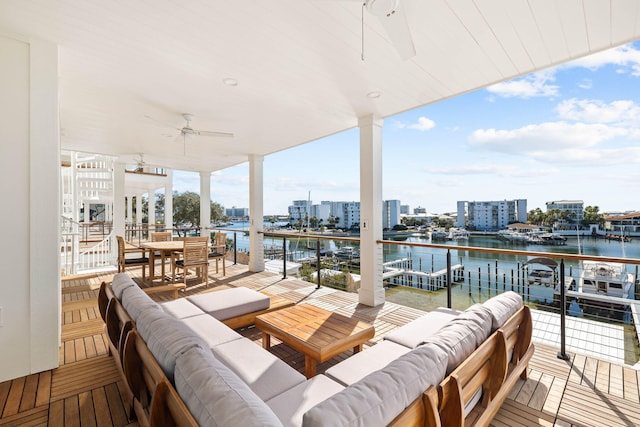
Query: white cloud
<point x="594" y="111"/>
<point x="538" y="84"/>
<point x="623" y="56"/>
<point x="585" y="84"/>
<point x="423" y="124"/>
<point x="519" y="171"/>
<point x="562" y="143"/>
<point x="533" y="85"/>
<point x="450" y="182"/>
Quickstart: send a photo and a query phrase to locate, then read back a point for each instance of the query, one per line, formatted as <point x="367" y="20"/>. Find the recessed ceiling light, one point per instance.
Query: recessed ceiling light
<point x="374" y="94"/>
<point x="230" y="82"/>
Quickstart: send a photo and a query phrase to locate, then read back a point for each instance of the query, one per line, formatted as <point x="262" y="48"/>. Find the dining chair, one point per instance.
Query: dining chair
<point x="219" y="251"/>
<point x="194" y="255"/>
<point x="162" y="236"/>
<point x="124" y="262"/>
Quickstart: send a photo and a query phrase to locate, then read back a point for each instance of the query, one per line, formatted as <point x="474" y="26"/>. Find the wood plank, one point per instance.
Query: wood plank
<point x="87" y="411"/>
<point x="56" y="413"/>
<point x="116" y="407"/>
<point x="101" y="407"/>
<point x="631" y="391"/>
<point x="32" y="417"/>
<point x="44" y="389"/>
<point x="71" y="412"/>
<point x="12" y="406"/>
<point x="28" y="400"/>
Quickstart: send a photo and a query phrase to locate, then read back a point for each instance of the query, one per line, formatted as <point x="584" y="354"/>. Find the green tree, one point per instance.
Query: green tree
<point x="217" y="212"/>
<point x="536" y="216"/>
<point x="592" y="215"/>
<point x="186" y="208"/>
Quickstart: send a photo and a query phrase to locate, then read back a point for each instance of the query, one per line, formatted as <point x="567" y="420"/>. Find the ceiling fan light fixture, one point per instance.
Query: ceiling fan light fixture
<point x="381" y="7"/>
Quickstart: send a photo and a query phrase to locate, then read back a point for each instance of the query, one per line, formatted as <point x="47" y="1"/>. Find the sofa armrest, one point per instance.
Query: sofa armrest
<point x="173" y="288"/>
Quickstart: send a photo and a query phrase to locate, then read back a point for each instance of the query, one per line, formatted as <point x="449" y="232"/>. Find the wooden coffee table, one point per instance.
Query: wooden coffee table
<point x="317" y="333"/>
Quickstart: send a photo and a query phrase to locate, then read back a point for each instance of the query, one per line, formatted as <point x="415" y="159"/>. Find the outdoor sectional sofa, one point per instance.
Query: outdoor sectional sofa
<point x="437" y="370"/>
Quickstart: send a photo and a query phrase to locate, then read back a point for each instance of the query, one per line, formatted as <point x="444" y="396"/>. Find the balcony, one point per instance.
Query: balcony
<point x="590" y="387"/>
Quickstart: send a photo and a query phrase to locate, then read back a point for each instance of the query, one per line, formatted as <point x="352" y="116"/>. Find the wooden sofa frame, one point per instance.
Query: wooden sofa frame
<point x="488" y="367"/>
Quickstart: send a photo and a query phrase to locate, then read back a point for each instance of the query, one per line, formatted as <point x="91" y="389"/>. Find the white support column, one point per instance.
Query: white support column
<point x="151" y="210"/>
<point x="205" y="203"/>
<point x="129" y="218"/>
<point x="118" y="203"/>
<point x="256" y="208"/>
<point x="168" y="200"/>
<point x="371" y="288"/>
<point x="139" y="210"/>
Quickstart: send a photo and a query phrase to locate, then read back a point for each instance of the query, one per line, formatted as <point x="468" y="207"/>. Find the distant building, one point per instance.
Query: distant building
<point x="576" y="207"/>
<point x="419" y="210"/>
<point x="236" y="212"/>
<point x="404" y="210"/>
<point x="624" y="224"/>
<point x="390" y="213"/>
<point x="491" y="215"/>
<point x="347" y="213"/>
<point x="299" y="210"/>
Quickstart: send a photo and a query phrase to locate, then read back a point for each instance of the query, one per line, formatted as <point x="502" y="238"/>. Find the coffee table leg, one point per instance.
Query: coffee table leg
<point x="266" y="341"/>
<point x="309" y="367"/>
<point x="357" y="349"/>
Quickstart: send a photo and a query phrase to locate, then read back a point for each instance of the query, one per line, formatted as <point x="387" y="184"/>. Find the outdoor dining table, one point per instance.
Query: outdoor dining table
<point x="164" y="249"/>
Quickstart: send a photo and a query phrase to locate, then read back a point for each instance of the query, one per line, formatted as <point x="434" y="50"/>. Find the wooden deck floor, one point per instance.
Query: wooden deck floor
<point x="85" y="389"/>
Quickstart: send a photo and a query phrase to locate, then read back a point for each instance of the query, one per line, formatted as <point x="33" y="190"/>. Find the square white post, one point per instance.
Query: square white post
<point x="205" y="204"/>
<point x="256" y="208"/>
<point x="371" y="288"/>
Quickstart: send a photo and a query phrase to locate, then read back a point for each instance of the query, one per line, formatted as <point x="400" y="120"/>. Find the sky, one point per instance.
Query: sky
<point x="569" y="132"/>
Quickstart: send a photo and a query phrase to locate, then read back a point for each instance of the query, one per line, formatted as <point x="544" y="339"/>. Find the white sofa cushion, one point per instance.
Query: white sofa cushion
<point x="212" y="331"/>
<point x="167" y="338"/>
<point x="263" y="372"/>
<point x="358" y="366"/>
<point x="181" y="308"/>
<point x="502" y="307"/>
<point x="379" y="397"/>
<point x="463" y="335"/>
<point x="135" y="301"/>
<point x="215" y="395"/>
<point x="291" y="405"/>
<point x="415" y="332"/>
<point x="230" y="303"/>
<point x="120" y="282"/>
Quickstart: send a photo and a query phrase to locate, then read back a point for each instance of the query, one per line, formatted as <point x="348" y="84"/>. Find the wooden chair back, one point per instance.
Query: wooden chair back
<point x="143" y="374"/>
<point x="118" y="324"/>
<point x="168" y="409"/>
<point x="104" y="296"/>
<point x="486" y="369"/>
<point x="196" y="251"/>
<point x="120" y="253"/>
<point x="162" y="236"/>
<point x="219" y="250"/>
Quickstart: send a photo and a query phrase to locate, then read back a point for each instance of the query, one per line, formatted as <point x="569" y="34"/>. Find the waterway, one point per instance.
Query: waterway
<point x="485" y="274"/>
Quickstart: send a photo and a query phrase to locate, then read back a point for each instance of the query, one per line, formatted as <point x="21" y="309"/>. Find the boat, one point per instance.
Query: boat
<point x="438" y="234"/>
<point x="457" y="234"/>
<point x="606" y="278"/>
<point x="542" y="272"/>
<point x="346" y="252"/>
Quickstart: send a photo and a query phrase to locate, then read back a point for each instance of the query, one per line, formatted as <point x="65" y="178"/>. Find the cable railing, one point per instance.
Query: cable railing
<point x="600" y="318"/>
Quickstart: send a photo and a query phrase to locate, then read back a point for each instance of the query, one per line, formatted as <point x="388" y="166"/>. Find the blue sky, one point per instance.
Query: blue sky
<point x="570" y="132"/>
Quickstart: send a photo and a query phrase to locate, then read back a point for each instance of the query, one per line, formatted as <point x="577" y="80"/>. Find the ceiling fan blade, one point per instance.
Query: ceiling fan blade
<point x="216" y="134"/>
<point x="160" y="123"/>
<point x="397" y="28"/>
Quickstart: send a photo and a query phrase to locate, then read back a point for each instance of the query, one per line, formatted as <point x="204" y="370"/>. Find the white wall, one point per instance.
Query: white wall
<point x="29" y="179"/>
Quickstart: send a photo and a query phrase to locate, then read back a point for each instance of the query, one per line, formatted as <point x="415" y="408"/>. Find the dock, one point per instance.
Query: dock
<point x="400" y="272"/>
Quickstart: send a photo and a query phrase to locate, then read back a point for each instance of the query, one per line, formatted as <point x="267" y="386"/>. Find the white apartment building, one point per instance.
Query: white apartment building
<point x="491" y="215"/>
<point x="574" y="206"/>
<point x="236" y="212"/>
<point x="390" y="213"/>
<point x="299" y="210"/>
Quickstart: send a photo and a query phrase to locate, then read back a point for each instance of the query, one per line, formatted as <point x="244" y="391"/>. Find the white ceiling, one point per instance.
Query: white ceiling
<point x="297" y="63"/>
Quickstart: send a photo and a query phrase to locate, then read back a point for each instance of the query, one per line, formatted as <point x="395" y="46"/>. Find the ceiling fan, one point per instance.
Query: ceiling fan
<point x="187" y="131"/>
<point x="392" y="16"/>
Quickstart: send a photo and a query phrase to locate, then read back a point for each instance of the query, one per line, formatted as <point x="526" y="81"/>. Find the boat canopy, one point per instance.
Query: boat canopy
<point x="547" y="262"/>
